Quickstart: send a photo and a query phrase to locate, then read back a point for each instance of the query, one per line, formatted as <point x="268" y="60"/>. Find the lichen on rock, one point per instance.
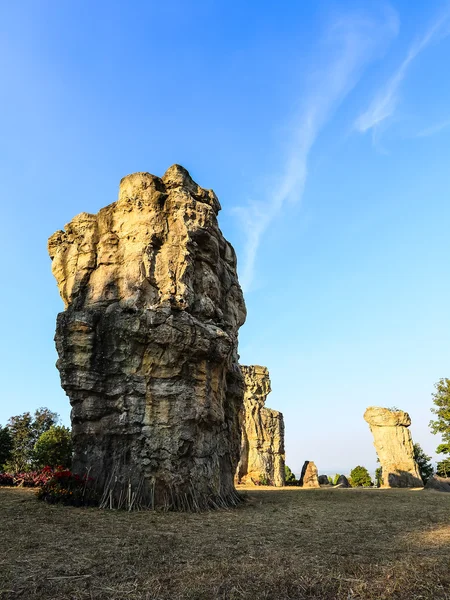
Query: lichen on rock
<point x="262" y="441"/>
<point x="394" y="446"/>
<point x="147" y="343"/>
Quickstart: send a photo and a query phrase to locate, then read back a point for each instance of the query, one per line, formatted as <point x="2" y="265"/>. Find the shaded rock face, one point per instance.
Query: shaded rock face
<point x="323" y="480"/>
<point x="309" y="477"/>
<point x="439" y="484"/>
<point x="343" y="482"/>
<point x="394" y="446"/>
<point x="147" y="344"/>
<point x="262" y="441"/>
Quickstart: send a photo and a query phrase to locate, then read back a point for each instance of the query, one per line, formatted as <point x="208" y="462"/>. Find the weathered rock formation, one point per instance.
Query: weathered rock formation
<point x="439" y="484"/>
<point x="323" y="480"/>
<point x="394" y="446"/>
<point x="343" y="482"/>
<point x="309" y="478"/>
<point x="262" y="441"/>
<point x="147" y="344"/>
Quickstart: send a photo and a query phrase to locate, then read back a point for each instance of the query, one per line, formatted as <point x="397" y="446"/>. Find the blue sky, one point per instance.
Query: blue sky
<point x="323" y="127"/>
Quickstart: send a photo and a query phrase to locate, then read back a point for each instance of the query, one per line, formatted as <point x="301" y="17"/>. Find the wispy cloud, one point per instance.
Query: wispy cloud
<point x="434" y="129"/>
<point x="385" y="101"/>
<point x="348" y="46"/>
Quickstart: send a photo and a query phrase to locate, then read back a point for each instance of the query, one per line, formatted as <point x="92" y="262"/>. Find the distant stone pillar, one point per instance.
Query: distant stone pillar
<point x="147" y="344"/>
<point x="309" y="477"/>
<point x="394" y="446"/>
<point x="262" y="441"/>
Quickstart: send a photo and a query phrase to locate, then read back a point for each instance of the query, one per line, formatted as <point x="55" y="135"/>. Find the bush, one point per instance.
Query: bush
<point x="379" y="476"/>
<point x="27" y="478"/>
<point x="64" y="487"/>
<point x="54" y="447"/>
<point x="6" y="479"/>
<point x="289" y="477"/>
<point x="359" y="477"/>
<point x="443" y="468"/>
<point x="423" y="462"/>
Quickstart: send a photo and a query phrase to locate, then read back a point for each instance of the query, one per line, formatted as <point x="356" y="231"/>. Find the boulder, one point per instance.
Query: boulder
<point x="262" y="441"/>
<point x="343" y="482"/>
<point x="439" y="484"/>
<point x="394" y="446"/>
<point x="147" y="344"/>
<point x="323" y="480"/>
<point x="309" y="478"/>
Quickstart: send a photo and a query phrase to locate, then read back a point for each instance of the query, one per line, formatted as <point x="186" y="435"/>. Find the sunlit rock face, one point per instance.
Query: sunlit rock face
<point x="309" y="476"/>
<point x="262" y="442"/>
<point x="394" y="446"/>
<point x="147" y="344"/>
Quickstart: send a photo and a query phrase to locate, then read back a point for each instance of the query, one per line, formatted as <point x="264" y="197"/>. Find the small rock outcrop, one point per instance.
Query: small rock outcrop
<point x="309" y="477"/>
<point x="439" y="484"/>
<point x="343" y="482"/>
<point x="147" y="343"/>
<point x="262" y="441"/>
<point x="394" y="446"/>
<point x="323" y="480"/>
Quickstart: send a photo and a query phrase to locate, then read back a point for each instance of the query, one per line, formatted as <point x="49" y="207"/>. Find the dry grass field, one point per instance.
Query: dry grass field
<point x="280" y="544"/>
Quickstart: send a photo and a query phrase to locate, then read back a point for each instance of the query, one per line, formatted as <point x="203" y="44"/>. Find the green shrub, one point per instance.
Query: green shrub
<point x="66" y="488"/>
<point x="289" y="476"/>
<point x="54" y="448"/>
<point x="359" y="477"/>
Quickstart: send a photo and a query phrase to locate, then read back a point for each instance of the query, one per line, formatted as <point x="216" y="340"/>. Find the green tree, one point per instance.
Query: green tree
<point x="54" y="448"/>
<point x="289" y="475"/>
<point x="443" y="468"/>
<point x="423" y="462"/>
<point x="441" y="400"/>
<point x="5" y="446"/>
<point x="359" y="477"/>
<point x="379" y="476"/>
<point x="25" y="430"/>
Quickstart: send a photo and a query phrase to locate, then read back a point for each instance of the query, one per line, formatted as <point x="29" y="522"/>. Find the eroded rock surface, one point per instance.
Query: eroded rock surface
<point x="323" y="480"/>
<point x="147" y="344"/>
<point x="309" y="477"/>
<point x="262" y="441"/>
<point x="394" y="446"/>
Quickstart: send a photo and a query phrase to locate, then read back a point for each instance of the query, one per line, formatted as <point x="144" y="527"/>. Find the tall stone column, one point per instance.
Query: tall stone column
<point x="147" y="343"/>
<point x="262" y="442"/>
<point x="394" y="446"/>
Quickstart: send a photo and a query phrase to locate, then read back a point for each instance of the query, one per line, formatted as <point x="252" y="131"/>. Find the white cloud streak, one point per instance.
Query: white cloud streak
<point x="350" y="44"/>
<point x="434" y="129"/>
<point x="385" y="101"/>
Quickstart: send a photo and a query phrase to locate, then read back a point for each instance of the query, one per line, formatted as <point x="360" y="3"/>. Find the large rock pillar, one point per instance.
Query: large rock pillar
<point x="394" y="446"/>
<point x="147" y="343"/>
<point x="262" y="442"/>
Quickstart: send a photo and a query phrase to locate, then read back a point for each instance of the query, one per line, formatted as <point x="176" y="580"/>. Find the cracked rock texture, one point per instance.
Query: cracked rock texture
<point x="394" y="446"/>
<point x="262" y="441"/>
<point x="309" y="477"/>
<point x="147" y="343"/>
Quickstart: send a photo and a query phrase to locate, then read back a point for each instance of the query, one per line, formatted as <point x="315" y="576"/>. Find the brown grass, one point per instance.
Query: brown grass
<point x="281" y="544"/>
